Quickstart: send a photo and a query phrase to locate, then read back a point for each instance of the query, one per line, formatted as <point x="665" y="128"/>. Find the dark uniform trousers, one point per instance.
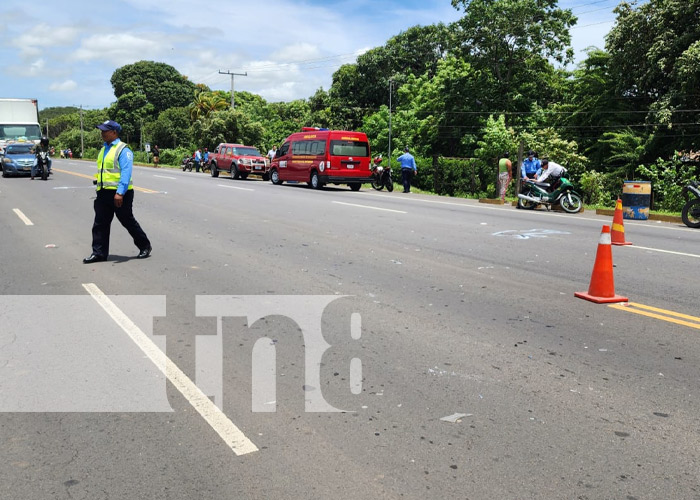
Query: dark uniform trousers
<point x="105" y="212"/>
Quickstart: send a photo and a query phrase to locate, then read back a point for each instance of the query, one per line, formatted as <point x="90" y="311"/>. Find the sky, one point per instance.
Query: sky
<point x="63" y="52"/>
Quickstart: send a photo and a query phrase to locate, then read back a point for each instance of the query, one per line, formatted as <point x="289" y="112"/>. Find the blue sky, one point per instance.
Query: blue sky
<point x="63" y="52"/>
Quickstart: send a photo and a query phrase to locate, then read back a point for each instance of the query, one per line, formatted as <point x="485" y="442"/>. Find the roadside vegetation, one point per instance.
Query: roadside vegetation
<point x="461" y="95"/>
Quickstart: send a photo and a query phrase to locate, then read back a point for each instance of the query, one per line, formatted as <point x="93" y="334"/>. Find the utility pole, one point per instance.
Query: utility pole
<point x="391" y="84"/>
<point x="82" y="143"/>
<point x="232" y="75"/>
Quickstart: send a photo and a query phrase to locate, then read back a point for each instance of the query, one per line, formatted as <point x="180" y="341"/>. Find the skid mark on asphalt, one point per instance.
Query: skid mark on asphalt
<point x="660" y="314"/>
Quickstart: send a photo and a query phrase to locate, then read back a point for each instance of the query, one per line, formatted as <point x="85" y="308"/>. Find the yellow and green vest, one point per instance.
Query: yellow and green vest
<point x="108" y="171"/>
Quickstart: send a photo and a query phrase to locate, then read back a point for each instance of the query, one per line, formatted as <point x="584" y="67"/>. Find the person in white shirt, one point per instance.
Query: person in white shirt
<point x="271" y="154"/>
<point x="551" y="170"/>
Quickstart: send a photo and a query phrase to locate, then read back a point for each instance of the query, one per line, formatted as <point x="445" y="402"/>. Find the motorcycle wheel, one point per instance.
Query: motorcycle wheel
<point x="376" y="185"/>
<point x="44" y="172"/>
<point x="389" y="184"/>
<point x="526" y="204"/>
<point x="571" y="203"/>
<point x="691" y="213"/>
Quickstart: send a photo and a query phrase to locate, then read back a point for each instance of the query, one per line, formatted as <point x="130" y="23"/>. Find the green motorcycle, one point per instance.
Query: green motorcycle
<point x="535" y="193"/>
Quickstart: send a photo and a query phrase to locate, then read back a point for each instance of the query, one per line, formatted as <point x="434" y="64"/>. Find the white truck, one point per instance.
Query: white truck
<point x="19" y="121"/>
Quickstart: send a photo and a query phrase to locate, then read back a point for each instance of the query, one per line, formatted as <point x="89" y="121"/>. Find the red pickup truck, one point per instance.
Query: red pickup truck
<point x="239" y="161"/>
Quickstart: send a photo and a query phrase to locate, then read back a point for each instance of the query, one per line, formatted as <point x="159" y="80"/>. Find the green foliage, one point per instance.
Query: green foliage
<point x="174" y="156"/>
<point x="496" y="140"/>
<point x="668" y="178"/>
<point x="172" y="128"/>
<point x="592" y="185"/>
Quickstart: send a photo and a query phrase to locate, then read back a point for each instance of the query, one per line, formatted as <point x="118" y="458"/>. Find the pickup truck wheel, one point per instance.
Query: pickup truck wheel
<point x="244" y="175"/>
<point x="214" y="170"/>
<point x="266" y="177"/>
<point x="315" y="182"/>
<point x="275" y="177"/>
<point x="234" y="171"/>
<point x="355" y="186"/>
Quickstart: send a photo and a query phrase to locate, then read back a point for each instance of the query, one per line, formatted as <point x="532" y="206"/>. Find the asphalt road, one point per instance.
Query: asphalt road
<point x="284" y="304"/>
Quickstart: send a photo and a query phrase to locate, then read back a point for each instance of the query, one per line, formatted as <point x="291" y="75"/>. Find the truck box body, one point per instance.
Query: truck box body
<point x="19" y="121"/>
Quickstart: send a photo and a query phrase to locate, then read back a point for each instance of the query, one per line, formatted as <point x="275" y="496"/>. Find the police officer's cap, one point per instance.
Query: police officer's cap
<point x="109" y="125"/>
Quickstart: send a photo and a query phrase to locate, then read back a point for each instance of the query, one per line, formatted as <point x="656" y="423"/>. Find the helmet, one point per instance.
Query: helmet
<point x="44" y="141"/>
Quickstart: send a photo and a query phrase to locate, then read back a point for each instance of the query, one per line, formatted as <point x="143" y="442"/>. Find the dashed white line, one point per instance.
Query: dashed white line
<point x="370" y="207"/>
<point x="235" y="187"/>
<point x="22" y="217"/>
<point x="227" y="430"/>
<point x="165" y="177"/>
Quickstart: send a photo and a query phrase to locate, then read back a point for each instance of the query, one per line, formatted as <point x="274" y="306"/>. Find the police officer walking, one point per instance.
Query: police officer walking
<point x="115" y="195"/>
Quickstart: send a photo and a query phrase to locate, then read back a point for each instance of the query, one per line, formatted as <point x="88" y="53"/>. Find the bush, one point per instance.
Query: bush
<point x="593" y="188"/>
<point x="173" y="156"/>
<point x="668" y="178"/>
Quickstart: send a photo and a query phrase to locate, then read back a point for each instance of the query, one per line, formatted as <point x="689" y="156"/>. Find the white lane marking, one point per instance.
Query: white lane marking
<point x="75" y="187"/>
<point x="228" y="431"/>
<point x="368" y="206"/>
<point x="165" y="177"/>
<point x="665" y="251"/>
<point x="235" y="187"/>
<point x="23" y="217"/>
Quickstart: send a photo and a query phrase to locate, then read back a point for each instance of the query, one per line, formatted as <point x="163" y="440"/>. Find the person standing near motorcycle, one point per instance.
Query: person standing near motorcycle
<point x="504" y="174"/>
<point x="197" y="159"/>
<point x="528" y="170"/>
<point x="408" y="169"/>
<point x="115" y="195"/>
<point x="551" y="170"/>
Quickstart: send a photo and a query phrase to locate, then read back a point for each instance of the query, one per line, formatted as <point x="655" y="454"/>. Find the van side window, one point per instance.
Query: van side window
<point x="318" y="148"/>
<point x="283" y="150"/>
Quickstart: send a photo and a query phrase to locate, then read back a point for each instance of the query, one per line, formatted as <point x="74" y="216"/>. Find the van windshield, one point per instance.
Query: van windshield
<point x="349" y="148"/>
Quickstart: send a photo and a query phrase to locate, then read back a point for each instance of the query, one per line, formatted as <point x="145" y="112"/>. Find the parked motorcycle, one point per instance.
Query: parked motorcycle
<point x="535" y="193"/>
<point x="187" y="163"/>
<point x="381" y="176"/>
<point x="691" y="210"/>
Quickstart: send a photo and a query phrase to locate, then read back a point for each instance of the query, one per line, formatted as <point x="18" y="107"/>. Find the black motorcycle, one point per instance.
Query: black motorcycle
<point x="381" y="176"/>
<point x="42" y="164"/>
<point x="187" y="163"/>
<point x="691" y="210"/>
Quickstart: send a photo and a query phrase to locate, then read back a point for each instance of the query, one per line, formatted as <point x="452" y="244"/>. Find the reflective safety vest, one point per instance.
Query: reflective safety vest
<point x="108" y="170"/>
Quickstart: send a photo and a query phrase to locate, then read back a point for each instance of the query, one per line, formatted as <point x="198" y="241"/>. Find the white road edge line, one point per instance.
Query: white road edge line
<point x="235" y="187"/>
<point x="232" y="435"/>
<point x="23" y="217"/>
<point x="165" y="177"/>
<point x="665" y="251"/>
<point x="368" y="206"/>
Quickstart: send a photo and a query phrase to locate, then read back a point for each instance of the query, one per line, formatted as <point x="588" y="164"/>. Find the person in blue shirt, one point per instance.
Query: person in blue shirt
<point x="530" y="166"/>
<point x="408" y="169"/>
<point x="115" y="195"/>
<point x="197" y="159"/>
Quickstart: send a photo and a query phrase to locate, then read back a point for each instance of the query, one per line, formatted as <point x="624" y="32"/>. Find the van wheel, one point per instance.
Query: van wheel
<point x="315" y="182"/>
<point x="355" y="186"/>
<point x="275" y="177"/>
<point x="214" y="170"/>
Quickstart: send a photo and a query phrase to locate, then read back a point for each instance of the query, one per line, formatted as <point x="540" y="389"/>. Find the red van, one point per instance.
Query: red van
<point x="320" y="156"/>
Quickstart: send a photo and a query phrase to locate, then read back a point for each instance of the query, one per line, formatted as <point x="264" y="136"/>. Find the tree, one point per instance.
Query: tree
<point x="655" y="52"/>
<point x="513" y="41"/>
<point x="161" y="84"/>
<point x="171" y="129"/>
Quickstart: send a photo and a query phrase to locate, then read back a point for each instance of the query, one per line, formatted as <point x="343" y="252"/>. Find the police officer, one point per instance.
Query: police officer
<point x="115" y="195"/>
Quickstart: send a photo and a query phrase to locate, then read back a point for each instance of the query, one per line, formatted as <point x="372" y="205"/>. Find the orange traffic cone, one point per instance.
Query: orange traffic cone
<point x="618" y="227"/>
<point x="602" y="287"/>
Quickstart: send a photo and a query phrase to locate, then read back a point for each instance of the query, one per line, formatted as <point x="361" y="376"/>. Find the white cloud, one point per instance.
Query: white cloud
<point x="65" y="86"/>
<point x="121" y="48"/>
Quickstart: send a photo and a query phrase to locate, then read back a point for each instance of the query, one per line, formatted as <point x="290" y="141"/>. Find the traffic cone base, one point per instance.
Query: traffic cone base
<point x="602" y="287"/>
<point x="601" y="300"/>
<point x="617" y="234"/>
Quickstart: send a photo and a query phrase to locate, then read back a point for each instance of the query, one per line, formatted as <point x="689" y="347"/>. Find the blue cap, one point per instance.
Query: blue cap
<point x="109" y="125"/>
